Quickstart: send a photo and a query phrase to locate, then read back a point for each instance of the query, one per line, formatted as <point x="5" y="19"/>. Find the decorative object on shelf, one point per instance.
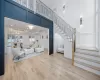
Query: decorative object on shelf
<point x="29" y="36"/>
<point x="20" y="37"/>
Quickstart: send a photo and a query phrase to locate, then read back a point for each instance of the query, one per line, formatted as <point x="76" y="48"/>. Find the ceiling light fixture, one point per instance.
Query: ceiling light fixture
<point x="30" y="27"/>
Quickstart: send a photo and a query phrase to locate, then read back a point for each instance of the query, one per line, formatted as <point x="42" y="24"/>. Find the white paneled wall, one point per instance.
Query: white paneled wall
<point x="87" y="40"/>
<point x="67" y="49"/>
<point x="88" y="28"/>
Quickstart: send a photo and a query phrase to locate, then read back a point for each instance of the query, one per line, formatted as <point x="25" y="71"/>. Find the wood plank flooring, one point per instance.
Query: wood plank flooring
<point x="45" y="67"/>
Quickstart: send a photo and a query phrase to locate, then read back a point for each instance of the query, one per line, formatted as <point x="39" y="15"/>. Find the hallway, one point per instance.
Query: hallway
<point x="45" y="67"/>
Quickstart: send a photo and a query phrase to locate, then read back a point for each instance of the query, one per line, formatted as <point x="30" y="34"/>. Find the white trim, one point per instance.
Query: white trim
<point x="27" y="4"/>
<point x="34" y="6"/>
<point x="48" y="41"/>
<point x="86" y="47"/>
<point x="97" y="26"/>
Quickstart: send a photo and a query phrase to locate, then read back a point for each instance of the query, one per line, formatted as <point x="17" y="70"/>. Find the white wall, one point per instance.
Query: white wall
<point x="26" y="39"/>
<point x="44" y="42"/>
<point x="88" y="29"/>
<point x="67" y="49"/>
<point x="98" y="21"/>
<point x="58" y="41"/>
<point x="86" y="35"/>
<point x="61" y="39"/>
<point x="71" y="14"/>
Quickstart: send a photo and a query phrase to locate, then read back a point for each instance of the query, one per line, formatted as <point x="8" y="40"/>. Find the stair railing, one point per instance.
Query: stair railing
<point x="43" y="10"/>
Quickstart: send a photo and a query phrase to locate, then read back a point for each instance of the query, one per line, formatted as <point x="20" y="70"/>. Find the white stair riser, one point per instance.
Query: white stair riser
<point x="88" y="62"/>
<point x="88" y="69"/>
<point x="86" y="51"/>
<point x="88" y="56"/>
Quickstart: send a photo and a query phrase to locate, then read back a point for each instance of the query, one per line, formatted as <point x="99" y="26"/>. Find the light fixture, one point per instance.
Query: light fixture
<point x="30" y="27"/>
<point x="81" y="24"/>
<point x="64" y="7"/>
<point x="81" y="21"/>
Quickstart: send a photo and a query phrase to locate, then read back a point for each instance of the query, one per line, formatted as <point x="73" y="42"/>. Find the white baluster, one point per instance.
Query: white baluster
<point x="35" y="6"/>
<point x="27" y="4"/>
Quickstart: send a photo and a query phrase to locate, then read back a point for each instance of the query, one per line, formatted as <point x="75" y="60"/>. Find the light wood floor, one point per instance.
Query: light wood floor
<point x="45" y="67"/>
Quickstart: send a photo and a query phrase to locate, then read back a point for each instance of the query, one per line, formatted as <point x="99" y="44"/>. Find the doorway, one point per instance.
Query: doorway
<point x="25" y="40"/>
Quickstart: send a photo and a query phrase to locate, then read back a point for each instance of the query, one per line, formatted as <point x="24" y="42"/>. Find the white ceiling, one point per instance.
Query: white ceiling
<point x="22" y="26"/>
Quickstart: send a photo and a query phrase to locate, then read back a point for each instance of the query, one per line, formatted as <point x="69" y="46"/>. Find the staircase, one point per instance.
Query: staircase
<point x="61" y="33"/>
<point x="85" y="59"/>
<point x="61" y="25"/>
<point x="40" y="8"/>
<point x="88" y="60"/>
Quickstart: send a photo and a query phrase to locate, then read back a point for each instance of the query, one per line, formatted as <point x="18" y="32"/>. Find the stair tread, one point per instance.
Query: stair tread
<point x="94" y="49"/>
<point x="88" y="59"/>
<point x="90" y="66"/>
<point x="96" y="55"/>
